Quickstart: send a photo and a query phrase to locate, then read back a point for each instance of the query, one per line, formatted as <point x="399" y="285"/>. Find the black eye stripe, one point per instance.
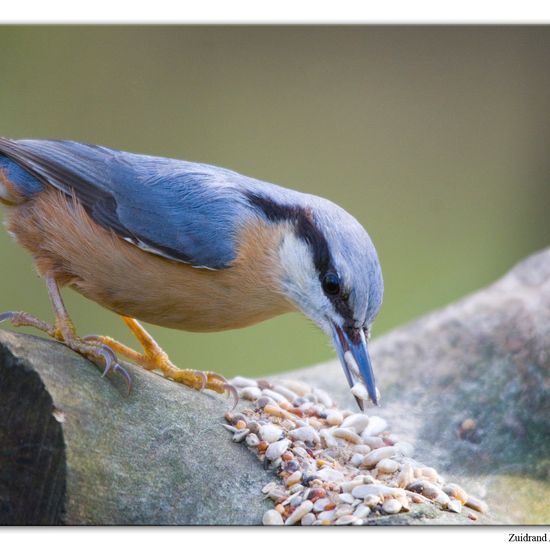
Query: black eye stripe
<point x="304" y="225"/>
<point x="308" y="231"/>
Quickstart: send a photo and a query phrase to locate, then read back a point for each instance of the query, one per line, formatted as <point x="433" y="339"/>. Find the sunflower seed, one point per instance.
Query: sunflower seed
<point x="404" y="448"/>
<point x="297" y="386"/>
<point x="344" y="510"/>
<point x="334" y="417"/>
<point x="293" y="478"/>
<point x="251" y="393"/>
<point x="357" y="422"/>
<point x="323" y="397"/>
<point x="375" y="426"/>
<point x="346" y="498"/>
<point x="329" y="474"/>
<point x="362" y="491"/>
<point x="476" y="504"/>
<point x="242" y="382"/>
<point x="328" y="439"/>
<point x="362" y="511"/>
<point x="277" y="397"/>
<point x="308" y="519"/>
<point x="270" y="486"/>
<point x="305" y="433"/>
<point x="346" y="520"/>
<point x="347" y="435"/>
<point x="328" y="515"/>
<point x="240" y="435"/>
<point x="272" y="517"/>
<point x="271" y="433"/>
<point x="348" y="486"/>
<point x="406" y="476"/>
<point x="360" y="391"/>
<point x="387" y="466"/>
<point x="456" y="492"/>
<point x="372" y="500"/>
<point x="275" y="450"/>
<point x="319" y="505"/>
<point x="374" y="457"/>
<point x="264" y="401"/>
<point x="230" y="428"/>
<point x="373" y="441"/>
<point x="454" y="506"/>
<point x="285" y="392"/>
<point x="299" y="513"/>
<point x="429" y="490"/>
<point x="391" y="506"/>
<point x="357" y="459"/>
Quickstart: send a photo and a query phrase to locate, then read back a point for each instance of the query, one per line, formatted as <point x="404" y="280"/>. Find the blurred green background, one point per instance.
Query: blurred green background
<point x="436" y="138"/>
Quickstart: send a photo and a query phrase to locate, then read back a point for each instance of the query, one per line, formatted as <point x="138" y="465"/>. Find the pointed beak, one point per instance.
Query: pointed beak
<point x="353" y="340"/>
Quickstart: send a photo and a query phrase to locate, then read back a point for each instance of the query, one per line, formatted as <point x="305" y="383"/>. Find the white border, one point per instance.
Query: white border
<point x="281" y="11"/>
<point x="260" y="538"/>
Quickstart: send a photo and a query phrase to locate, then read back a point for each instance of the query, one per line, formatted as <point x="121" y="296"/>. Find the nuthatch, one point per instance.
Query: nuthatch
<point x="187" y="246"/>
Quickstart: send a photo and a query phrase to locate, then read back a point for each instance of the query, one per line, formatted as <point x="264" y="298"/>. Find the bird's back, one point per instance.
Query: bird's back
<point x="187" y="211"/>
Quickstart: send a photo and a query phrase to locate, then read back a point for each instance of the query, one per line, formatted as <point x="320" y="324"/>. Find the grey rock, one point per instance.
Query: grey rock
<point x="158" y="456"/>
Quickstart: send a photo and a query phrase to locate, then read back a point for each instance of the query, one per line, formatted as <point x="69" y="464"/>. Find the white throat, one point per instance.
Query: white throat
<point x="300" y="280"/>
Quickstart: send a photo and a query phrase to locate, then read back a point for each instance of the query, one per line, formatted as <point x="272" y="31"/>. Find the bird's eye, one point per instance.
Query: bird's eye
<point x="331" y="283"/>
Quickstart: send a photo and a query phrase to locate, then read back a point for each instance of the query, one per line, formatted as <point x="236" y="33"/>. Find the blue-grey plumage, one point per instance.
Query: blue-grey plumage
<point x="323" y="261"/>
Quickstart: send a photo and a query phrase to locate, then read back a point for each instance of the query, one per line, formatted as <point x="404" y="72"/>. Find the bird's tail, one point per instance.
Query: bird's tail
<point x="16" y="184"/>
<point x="8" y="192"/>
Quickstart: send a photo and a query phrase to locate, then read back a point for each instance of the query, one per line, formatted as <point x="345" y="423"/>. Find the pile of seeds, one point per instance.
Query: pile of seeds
<point x="337" y="467"/>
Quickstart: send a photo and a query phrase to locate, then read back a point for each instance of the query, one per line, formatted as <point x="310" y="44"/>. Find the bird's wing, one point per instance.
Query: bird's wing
<point x="183" y="211"/>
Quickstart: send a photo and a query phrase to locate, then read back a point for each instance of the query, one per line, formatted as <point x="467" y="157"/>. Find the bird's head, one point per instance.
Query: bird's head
<point x="330" y="271"/>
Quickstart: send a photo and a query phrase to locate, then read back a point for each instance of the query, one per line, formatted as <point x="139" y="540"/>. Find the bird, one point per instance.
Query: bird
<point x="185" y="245"/>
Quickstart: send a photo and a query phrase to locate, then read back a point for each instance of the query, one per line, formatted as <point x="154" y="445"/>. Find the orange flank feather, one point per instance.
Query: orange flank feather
<point x="66" y="243"/>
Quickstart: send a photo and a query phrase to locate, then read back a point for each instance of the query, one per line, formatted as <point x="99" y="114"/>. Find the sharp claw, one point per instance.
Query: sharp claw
<point x="125" y="374"/>
<point x="109" y="357"/>
<point x="232" y="390"/>
<point x="7" y="315"/>
<point x="111" y="365"/>
<point x="105" y="351"/>
<point x="204" y="379"/>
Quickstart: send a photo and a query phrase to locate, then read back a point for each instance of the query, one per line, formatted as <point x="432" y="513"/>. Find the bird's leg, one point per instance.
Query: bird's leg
<point x="155" y="358"/>
<point x="64" y="331"/>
